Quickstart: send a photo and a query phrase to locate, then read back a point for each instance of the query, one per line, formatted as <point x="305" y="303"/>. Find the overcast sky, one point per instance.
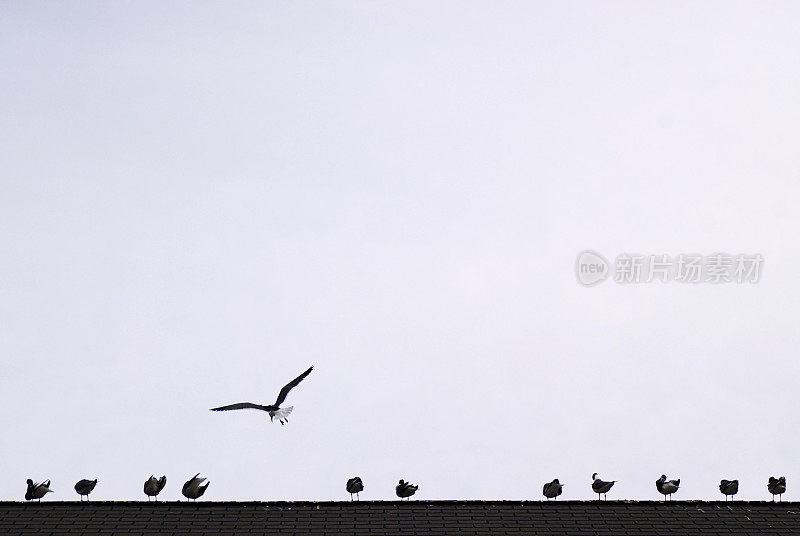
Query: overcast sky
<point x="200" y="200"/>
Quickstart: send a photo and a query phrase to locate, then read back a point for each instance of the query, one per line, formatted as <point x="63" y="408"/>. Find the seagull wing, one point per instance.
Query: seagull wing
<point x="291" y="385"/>
<point x="240" y="405"/>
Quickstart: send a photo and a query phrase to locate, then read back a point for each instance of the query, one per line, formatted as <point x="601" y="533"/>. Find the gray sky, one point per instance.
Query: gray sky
<point x="199" y="200"/>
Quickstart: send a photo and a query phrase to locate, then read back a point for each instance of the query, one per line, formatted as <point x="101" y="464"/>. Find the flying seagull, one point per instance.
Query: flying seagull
<point x="153" y="486"/>
<point x="601" y="486"/>
<point x="275" y="409"/>
<point x="85" y="487"/>
<point x="192" y="488"/>
<point x="729" y="487"/>
<point x="404" y="490"/>
<point x="777" y="486"/>
<point x="552" y="490"/>
<point x="37" y="490"/>
<point x="355" y="485"/>
<point x="667" y="487"/>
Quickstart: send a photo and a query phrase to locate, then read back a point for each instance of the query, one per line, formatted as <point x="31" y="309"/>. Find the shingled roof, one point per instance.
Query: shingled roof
<point x="395" y="518"/>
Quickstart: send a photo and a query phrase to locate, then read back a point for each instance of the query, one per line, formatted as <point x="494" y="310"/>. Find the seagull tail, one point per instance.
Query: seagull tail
<point x="282" y="413"/>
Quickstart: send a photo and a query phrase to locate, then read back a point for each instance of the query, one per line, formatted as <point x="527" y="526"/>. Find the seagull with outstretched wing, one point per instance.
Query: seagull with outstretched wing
<point x="274" y="410"/>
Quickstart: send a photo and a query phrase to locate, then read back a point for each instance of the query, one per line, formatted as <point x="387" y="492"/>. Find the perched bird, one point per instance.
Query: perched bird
<point x="777" y="486"/>
<point x="405" y="489"/>
<point x="551" y="490"/>
<point x="729" y="487"/>
<point x="667" y="487"/>
<point x="153" y="486"/>
<point x="192" y="488"/>
<point x="355" y="485"/>
<point x="37" y="490"/>
<point x="275" y="409"/>
<point x="85" y="487"/>
<point x="601" y="486"/>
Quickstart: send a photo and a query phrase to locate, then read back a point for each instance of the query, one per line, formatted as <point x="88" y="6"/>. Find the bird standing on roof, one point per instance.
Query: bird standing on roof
<point x="37" y="490"/>
<point x="192" y="489"/>
<point x="275" y="409"/>
<point x="404" y="489"/>
<point x="153" y="486"/>
<point x="601" y="486"/>
<point x="729" y="487"/>
<point x="355" y="485"/>
<point x="667" y="487"/>
<point x="553" y="489"/>
<point x="84" y="487"/>
<point x="777" y="486"/>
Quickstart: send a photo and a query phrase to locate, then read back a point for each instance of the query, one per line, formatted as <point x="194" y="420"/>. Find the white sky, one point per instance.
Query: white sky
<point x="200" y="200"/>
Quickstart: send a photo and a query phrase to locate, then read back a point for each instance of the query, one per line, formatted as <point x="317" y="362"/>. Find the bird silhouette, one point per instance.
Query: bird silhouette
<point x="601" y="486"/>
<point x="153" y="486"/>
<point x="192" y="489"/>
<point x="37" y="490"/>
<point x="275" y="409"/>
<point x="667" y="487"/>
<point x="404" y="489"/>
<point x="553" y="489"/>
<point x="777" y="486"/>
<point x="84" y="487"/>
<point x="729" y="487"/>
<point x="355" y="485"/>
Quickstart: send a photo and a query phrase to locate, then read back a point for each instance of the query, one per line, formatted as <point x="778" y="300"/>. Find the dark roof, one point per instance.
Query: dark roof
<point x="397" y="518"/>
